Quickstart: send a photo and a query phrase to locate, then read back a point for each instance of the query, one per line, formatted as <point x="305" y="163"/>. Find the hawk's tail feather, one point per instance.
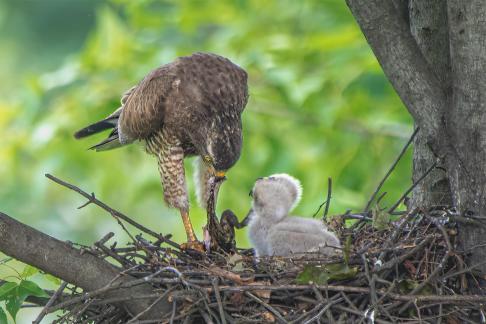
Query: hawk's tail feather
<point x="97" y="127"/>
<point x="113" y="140"/>
<point x="110" y="143"/>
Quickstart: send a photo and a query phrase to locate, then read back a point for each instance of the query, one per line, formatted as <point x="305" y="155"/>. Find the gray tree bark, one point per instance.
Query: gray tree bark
<point x="466" y="121"/>
<point x="69" y="264"/>
<point x="428" y="24"/>
<point x="437" y="64"/>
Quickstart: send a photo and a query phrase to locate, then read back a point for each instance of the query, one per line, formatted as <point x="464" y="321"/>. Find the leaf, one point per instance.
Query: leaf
<point x="3" y="316"/>
<point x="320" y="275"/>
<point x="29" y="271"/>
<point x="341" y="271"/>
<point x="30" y="288"/>
<point x="312" y="274"/>
<point x="52" y="279"/>
<point x="6" y="289"/>
<point x="13" y="304"/>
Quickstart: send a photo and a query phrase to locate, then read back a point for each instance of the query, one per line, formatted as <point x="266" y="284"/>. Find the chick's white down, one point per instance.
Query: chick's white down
<point x="273" y="232"/>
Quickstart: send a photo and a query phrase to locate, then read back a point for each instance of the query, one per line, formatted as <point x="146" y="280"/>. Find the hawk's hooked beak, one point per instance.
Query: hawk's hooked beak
<point x="219" y="175"/>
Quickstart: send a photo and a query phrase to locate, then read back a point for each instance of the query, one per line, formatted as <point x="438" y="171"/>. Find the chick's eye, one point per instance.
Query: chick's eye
<point x="250" y="193"/>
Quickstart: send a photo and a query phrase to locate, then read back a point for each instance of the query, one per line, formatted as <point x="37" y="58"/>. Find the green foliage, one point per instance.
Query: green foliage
<point x="14" y="294"/>
<point x="3" y="317"/>
<point x="312" y="78"/>
<point x="321" y="275"/>
<point x="319" y="106"/>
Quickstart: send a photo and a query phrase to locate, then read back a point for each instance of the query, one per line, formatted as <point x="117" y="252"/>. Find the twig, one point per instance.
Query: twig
<point x="323" y="310"/>
<point x="49" y="303"/>
<point x="391" y="263"/>
<point x="174" y="307"/>
<point x="327" y="202"/>
<point x="112" y="285"/>
<point x="267" y="306"/>
<point x="134" y="319"/>
<point x="422" y="177"/>
<point x="218" y="299"/>
<point x="419" y="287"/>
<point x="438" y="268"/>
<point x="382" y="182"/>
<point x="94" y="200"/>
<point x="328" y="199"/>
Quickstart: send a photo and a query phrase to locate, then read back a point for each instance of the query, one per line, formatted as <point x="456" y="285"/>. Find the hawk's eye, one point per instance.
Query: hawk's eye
<point x="208" y="159"/>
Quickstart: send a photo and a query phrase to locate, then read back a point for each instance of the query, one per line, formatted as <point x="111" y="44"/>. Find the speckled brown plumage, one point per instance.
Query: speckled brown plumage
<point x="191" y="106"/>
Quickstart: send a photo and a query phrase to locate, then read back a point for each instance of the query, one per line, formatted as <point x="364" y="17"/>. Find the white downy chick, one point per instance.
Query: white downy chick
<point x="273" y="232"/>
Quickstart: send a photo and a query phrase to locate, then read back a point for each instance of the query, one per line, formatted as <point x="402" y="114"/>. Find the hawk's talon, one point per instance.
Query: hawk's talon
<point x="193" y="245"/>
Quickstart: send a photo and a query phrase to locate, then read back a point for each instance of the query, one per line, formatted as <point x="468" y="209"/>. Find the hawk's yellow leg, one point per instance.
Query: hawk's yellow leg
<point x="191" y="236"/>
<point x="192" y="242"/>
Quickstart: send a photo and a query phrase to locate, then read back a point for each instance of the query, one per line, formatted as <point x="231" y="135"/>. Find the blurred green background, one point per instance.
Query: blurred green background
<point x="319" y="107"/>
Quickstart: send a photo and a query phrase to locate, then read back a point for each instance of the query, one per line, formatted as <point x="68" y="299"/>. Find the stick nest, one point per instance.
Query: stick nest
<point x="408" y="270"/>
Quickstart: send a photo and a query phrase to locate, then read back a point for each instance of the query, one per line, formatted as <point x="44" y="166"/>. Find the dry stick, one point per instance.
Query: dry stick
<point x="382" y="182"/>
<point x="359" y="313"/>
<point x="350" y="303"/>
<point x="218" y="299"/>
<point x="66" y="262"/>
<point x="328" y="200"/>
<point x="49" y="303"/>
<point x="135" y="318"/>
<point x="395" y="235"/>
<point x="426" y="173"/>
<point x="267" y="306"/>
<point x="419" y="287"/>
<point x="113" y="212"/>
<point x="363" y="290"/>
<point x="174" y="307"/>
<point x="399" y="259"/>
<point x="112" y="285"/>
<point x="323" y="310"/>
<point x="439" y="268"/>
<point x="112" y="254"/>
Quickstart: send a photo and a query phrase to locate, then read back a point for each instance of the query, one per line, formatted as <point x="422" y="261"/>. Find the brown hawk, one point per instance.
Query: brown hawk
<point x="190" y="107"/>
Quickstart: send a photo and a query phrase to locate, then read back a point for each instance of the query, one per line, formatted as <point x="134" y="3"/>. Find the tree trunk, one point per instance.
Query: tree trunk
<point x="466" y="121"/>
<point x="428" y="24"/>
<point x="438" y="68"/>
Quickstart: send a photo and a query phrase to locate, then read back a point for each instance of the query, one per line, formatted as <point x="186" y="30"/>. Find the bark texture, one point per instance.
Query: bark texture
<point x="466" y="121"/>
<point x="389" y="36"/>
<point x="437" y="65"/>
<point x="428" y="24"/>
<point x="69" y="264"/>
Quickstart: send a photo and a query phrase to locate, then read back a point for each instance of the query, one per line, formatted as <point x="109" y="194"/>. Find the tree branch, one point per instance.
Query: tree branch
<point x="404" y="65"/>
<point x="69" y="264"/>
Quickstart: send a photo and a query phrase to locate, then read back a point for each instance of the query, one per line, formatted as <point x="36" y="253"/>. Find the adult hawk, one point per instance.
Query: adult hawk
<point x="190" y="107"/>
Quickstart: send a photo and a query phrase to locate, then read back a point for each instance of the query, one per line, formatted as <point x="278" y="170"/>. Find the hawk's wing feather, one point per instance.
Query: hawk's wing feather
<point x="110" y="122"/>
<point x="144" y="110"/>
